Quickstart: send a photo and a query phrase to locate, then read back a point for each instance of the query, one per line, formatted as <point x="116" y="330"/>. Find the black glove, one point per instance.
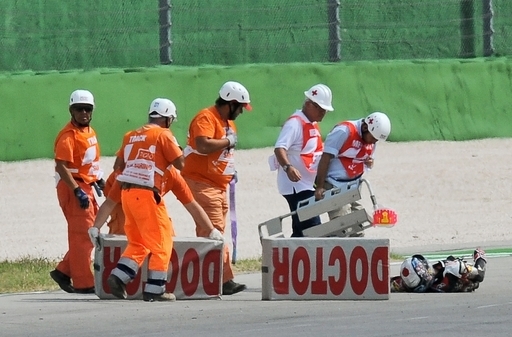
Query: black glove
<point x="98" y="189"/>
<point x="101" y="184"/>
<point x="83" y="199"/>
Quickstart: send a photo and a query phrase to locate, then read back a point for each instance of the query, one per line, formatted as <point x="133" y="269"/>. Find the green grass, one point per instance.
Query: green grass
<point x="32" y="274"/>
<point x="247" y="266"/>
<point x="26" y="274"/>
<point x="396" y="257"/>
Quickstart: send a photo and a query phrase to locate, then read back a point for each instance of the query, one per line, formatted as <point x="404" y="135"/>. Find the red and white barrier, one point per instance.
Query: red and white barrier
<point x="195" y="268"/>
<point x="325" y="269"/>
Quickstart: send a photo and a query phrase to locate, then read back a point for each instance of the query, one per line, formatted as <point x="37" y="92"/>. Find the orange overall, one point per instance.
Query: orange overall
<point x="80" y="149"/>
<point x="209" y="175"/>
<point x="146" y="152"/>
<point x="172" y="181"/>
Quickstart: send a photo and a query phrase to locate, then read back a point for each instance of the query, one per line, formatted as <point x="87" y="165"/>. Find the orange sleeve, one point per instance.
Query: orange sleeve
<point x="208" y="168"/>
<point x="178" y="186"/>
<point x="170" y="149"/>
<point x="64" y="147"/>
<point x="203" y="126"/>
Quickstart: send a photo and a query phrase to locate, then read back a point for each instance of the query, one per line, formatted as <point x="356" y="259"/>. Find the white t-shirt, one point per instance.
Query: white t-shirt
<point x="291" y="139"/>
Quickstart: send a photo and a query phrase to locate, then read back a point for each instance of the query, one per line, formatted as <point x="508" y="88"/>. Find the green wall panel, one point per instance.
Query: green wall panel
<point x="426" y="100"/>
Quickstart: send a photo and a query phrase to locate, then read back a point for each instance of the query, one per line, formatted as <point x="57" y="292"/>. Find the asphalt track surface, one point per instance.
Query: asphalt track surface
<point x="486" y="312"/>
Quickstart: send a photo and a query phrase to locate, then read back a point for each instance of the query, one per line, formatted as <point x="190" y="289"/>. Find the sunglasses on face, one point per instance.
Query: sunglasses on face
<point x="80" y="108"/>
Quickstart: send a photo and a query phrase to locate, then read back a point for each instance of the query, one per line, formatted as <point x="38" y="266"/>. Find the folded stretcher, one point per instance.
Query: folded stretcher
<point x="356" y="221"/>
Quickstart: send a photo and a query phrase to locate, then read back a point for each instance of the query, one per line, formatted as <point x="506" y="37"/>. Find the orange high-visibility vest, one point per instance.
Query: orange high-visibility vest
<point x="354" y="151"/>
<point x="312" y="144"/>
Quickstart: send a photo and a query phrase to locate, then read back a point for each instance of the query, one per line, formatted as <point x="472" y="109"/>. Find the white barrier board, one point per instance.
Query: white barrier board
<point x="325" y="269"/>
<point x="195" y="268"/>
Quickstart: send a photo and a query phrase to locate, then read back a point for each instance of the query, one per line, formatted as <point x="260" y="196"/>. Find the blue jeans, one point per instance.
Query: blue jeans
<point x="297" y="226"/>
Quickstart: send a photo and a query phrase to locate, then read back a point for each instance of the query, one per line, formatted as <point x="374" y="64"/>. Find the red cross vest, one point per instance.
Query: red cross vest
<point x="354" y="151"/>
<point x="312" y="144"/>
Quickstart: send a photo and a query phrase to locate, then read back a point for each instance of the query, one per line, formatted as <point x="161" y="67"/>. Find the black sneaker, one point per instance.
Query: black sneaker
<point x="90" y="290"/>
<point x="117" y="287"/>
<point x="165" y="297"/>
<point x="231" y="287"/>
<point x="62" y="280"/>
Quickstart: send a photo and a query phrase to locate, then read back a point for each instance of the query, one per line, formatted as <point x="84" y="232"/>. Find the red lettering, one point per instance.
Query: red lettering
<point x="190" y="258"/>
<point x="301" y="256"/>
<point x="109" y="265"/>
<point x="358" y="285"/>
<point x="143" y="166"/>
<point x="174" y="270"/>
<point x="281" y="275"/>
<point x="380" y="257"/>
<point x="187" y="273"/>
<point x="211" y="265"/>
<point x="146" y="155"/>
<point x="319" y="285"/>
<point x="191" y="265"/>
<point x="337" y="286"/>
<point x="334" y="275"/>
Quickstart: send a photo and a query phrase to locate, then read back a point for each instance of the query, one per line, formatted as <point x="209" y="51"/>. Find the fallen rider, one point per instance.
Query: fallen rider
<point x="451" y="275"/>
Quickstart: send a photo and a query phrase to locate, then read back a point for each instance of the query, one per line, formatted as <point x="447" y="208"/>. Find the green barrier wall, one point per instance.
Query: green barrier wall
<point x="429" y="100"/>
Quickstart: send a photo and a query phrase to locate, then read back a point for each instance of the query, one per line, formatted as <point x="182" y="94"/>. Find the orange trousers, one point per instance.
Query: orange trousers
<point x="77" y="260"/>
<point x="117" y="219"/>
<point x="214" y="202"/>
<point x="148" y="229"/>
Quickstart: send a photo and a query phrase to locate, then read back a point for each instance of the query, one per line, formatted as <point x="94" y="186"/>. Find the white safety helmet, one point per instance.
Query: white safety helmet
<point x="321" y="95"/>
<point x="81" y="97"/>
<point x="162" y="107"/>
<point x="416" y="273"/>
<point x="234" y="91"/>
<point x="379" y="125"/>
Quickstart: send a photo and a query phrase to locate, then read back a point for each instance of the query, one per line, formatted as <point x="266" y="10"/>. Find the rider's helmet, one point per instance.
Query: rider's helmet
<point x="416" y="273"/>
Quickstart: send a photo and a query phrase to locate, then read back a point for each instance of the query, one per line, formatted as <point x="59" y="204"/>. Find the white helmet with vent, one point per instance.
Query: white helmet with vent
<point x="162" y="107"/>
<point x="234" y="91"/>
<point x="81" y="97"/>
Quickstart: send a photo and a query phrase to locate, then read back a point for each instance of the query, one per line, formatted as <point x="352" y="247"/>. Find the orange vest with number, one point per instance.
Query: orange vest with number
<point x="145" y="157"/>
<point x="85" y="164"/>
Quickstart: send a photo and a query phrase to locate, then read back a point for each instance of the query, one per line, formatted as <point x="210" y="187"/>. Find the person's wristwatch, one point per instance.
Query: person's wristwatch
<point x="286" y="167"/>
